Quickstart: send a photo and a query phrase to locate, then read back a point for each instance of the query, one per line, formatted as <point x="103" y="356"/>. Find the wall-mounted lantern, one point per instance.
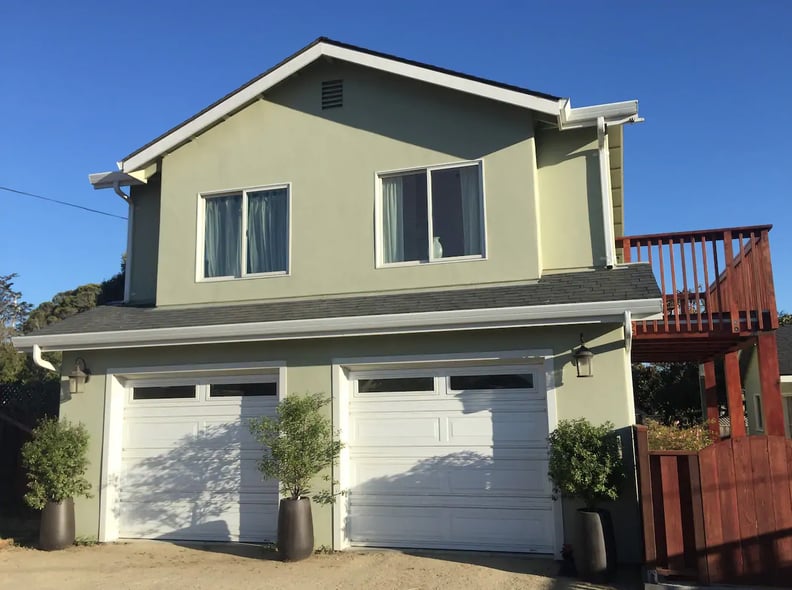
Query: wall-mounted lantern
<point x="79" y="376"/>
<point x="583" y="359"/>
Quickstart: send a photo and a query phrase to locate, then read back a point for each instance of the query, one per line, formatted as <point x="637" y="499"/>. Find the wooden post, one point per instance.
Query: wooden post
<point x="645" y="488"/>
<point x="731" y="367"/>
<point x="771" y="383"/>
<point x="711" y="398"/>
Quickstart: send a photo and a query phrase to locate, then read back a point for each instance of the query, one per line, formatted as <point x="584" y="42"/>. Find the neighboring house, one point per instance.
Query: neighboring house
<point x="752" y="387"/>
<point x="424" y="246"/>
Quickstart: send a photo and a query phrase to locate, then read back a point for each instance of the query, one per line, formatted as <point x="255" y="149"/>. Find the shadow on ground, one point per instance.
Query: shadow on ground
<point x="627" y="578"/>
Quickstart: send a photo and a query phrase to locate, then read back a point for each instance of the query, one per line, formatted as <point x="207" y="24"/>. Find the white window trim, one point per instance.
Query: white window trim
<point x="118" y="386"/>
<point x="378" y="220"/>
<point x="201" y="233"/>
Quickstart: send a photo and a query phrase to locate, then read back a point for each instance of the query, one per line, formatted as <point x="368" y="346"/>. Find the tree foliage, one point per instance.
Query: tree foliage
<point x="668" y="392"/>
<point x="585" y="461"/>
<point x="298" y="445"/>
<point x="56" y="460"/>
<point x="17" y="316"/>
<point x="13" y="310"/>
<point x="784" y="319"/>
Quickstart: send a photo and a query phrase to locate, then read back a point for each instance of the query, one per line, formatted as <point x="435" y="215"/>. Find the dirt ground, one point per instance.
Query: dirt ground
<point x="155" y="565"/>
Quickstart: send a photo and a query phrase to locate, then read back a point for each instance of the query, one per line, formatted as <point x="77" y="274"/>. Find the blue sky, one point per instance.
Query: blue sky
<point x="82" y="84"/>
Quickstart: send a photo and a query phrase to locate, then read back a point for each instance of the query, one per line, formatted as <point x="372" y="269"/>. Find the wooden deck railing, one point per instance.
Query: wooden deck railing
<point x="717" y="280"/>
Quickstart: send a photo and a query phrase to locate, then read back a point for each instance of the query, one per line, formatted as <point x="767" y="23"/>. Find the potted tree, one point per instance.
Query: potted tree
<point x="586" y="464"/>
<point x="55" y="459"/>
<point x="298" y="445"/>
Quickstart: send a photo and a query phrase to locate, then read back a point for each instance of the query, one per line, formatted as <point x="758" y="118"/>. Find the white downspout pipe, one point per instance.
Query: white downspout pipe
<point x="44" y="364"/>
<point x="128" y="261"/>
<point x="605" y="189"/>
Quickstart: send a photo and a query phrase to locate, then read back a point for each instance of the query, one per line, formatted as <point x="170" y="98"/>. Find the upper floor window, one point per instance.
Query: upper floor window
<point x="246" y="233"/>
<point x="432" y="214"/>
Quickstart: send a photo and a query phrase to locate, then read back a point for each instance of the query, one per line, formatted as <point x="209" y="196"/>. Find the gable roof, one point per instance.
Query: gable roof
<point x="784" y="341"/>
<point x="589" y="296"/>
<point x="559" y="108"/>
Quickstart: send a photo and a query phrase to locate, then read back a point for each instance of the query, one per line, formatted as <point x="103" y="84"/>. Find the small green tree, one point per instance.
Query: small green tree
<point x="298" y="445"/>
<point x="585" y="461"/>
<point x="56" y="460"/>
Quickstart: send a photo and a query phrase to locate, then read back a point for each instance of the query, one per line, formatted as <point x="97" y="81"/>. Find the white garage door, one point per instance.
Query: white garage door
<point x="452" y="459"/>
<point x="189" y="463"/>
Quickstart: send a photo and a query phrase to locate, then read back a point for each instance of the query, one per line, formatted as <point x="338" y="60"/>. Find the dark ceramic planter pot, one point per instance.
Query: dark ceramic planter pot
<point x="596" y="559"/>
<point x="57" y="525"/>
<point x="295" y="529"/>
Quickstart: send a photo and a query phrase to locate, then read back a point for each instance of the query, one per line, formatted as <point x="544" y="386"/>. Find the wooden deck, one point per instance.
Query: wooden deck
<point x="717" y="290"/>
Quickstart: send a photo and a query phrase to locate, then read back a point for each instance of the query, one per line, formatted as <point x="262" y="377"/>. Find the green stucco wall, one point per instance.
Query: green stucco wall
<point x="606" y="396"/>
<point x="145" y="201"/>
<point x="331" y="158"/>
<point x="571" y="204"/>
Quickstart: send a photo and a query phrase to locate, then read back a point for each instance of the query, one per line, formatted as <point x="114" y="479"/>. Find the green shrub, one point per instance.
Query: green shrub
<point x="585" y="461"/>
<point x="298" y="444"/>
<point x="56" y="461"/>
<point x="674" y="437"/>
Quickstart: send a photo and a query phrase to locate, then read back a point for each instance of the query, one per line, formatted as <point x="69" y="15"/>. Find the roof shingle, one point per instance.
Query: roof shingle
<point x="629" y="282"/>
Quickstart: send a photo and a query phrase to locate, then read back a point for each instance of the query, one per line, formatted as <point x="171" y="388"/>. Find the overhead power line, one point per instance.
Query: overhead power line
<point x="67" y="204"/>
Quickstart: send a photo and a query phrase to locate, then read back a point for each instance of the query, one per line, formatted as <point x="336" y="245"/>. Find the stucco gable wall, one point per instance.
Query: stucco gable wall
<point x="331" y="159"/>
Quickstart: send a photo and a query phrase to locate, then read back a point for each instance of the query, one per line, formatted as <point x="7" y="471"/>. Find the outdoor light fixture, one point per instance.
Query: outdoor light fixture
<point x="583" y="359"/>
<point x="78" y="377"/>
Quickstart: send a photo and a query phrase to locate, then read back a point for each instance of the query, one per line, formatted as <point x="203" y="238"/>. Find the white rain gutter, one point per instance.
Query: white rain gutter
<point x="44" y="364"/>
<point x="434" y="321"/>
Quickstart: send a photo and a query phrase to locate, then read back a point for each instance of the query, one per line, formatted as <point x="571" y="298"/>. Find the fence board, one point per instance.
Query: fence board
<point x="710" y="500"/>
<point x="746" y="507"/>
<point x="725" y="513"/>
<point x="675" y="543"/>
<point x="763" y="500"/>
<point x="781" y="493"/>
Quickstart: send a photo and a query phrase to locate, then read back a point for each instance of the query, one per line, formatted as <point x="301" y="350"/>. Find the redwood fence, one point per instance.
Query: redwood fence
<point x="722" y="515"/>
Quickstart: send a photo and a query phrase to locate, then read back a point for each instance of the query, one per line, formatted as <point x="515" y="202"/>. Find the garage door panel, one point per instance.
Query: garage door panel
<point x="392" y="429"/>
<point x="189" y="471"/>
<point x="218" y="520"/>
<point x="462" y="473"/>
<point x="432" y="527"/>
<point x="159" y="434"/>
<point x="517" y="428"/>
<point x="463" y="470"/>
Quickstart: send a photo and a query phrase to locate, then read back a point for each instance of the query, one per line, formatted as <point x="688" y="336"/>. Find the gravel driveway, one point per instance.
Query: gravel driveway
<point x="160" y="565"/>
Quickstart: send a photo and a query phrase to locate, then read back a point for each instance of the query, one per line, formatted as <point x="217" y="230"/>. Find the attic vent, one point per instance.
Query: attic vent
<point x="332" y="94"/>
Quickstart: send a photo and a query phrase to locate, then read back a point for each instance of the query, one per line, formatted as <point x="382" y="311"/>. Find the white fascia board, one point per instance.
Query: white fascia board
<point x="435" y="321"/>
<point x="614" y="113"/>
<point x="786" y="378"/>
<point x="253" y="91"/>
<point x="520" y="99"/>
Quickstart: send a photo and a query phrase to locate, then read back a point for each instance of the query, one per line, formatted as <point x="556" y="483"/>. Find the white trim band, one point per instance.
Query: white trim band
<point x="433" y="321"/>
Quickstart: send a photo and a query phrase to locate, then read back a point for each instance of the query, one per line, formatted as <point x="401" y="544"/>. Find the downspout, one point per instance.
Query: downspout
<point x="44" y="364"/>
<point x="605" y="189"/>
<point x="128" y="261"/>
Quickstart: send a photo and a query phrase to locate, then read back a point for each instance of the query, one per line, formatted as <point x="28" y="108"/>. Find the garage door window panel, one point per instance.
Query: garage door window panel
<point x="490" y="382"/>
<point x="263" y="389"/>
<point x="164" y="392"/>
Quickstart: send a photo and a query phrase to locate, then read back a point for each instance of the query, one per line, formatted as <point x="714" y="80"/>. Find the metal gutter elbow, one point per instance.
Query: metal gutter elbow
<point x="38" y="360"/>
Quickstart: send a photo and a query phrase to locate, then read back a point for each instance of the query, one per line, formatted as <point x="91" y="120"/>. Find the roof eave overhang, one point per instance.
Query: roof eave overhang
<point x="436" y="321"/>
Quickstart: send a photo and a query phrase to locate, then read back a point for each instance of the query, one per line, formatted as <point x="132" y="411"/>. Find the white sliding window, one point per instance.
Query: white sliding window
<point x="432" y="214"/>
<point x="246" y="233"/>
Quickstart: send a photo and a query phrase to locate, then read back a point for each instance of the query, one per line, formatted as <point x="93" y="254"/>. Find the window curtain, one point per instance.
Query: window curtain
<point x="471" y="209"/>
<point x="222" y="236"/>
<point x="392" y="219"/>
<point x="268" y="231"/>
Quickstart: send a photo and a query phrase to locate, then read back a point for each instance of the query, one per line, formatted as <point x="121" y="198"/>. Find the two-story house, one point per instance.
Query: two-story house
<point x="426" y="247"/>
